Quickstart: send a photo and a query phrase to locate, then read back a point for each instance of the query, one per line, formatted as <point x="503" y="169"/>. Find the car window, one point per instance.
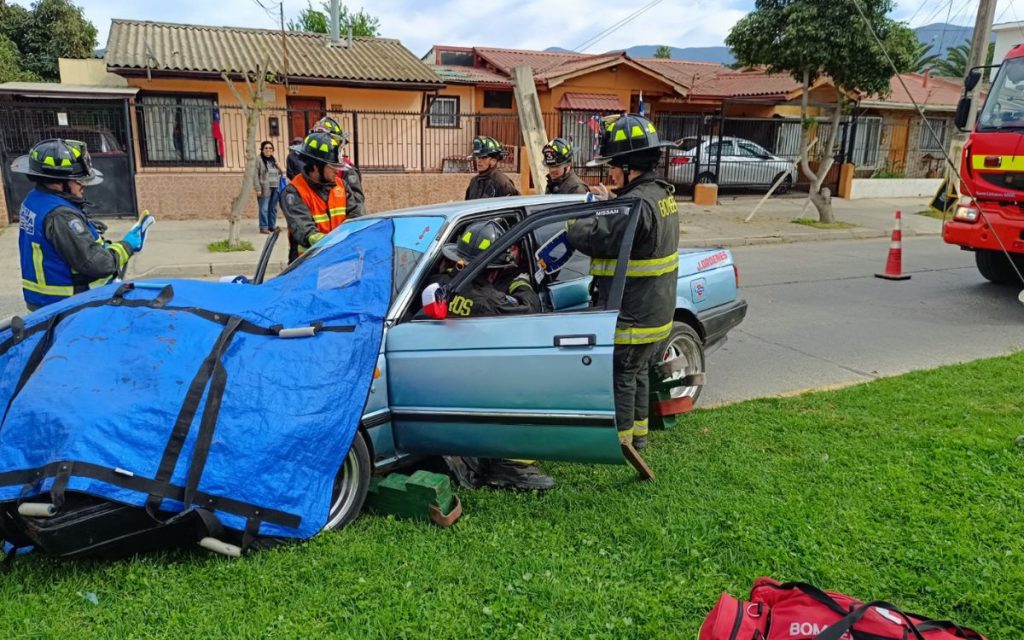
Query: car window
<point x="687" y="144"/>
<point x="750" y="150"/>
<point x="724" y="148"/>
<point x="413" y="236"/>
<point x="578" y="265"/>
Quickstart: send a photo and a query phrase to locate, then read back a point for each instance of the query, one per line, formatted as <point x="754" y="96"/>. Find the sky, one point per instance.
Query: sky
<point x="522" y="24"/>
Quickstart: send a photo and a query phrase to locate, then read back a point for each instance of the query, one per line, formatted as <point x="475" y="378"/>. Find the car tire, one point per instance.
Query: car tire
<point x="350" y="485"/>
<point x="706" y="178"/>
<point x="684" y="340"/>
<point x="995" y="267"/>
<point x="785" y="186"/>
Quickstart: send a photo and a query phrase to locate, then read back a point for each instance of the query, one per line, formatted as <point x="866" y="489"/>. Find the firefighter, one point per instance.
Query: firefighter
<point x="561" y="177"/>
<point x="349" y="173"/>
<point x="489" y="181"/>
<point x="632" y="149"/>
<point x="62" y="249"/>
<point x="315" y="202"/>
<point x="502" y="288"/>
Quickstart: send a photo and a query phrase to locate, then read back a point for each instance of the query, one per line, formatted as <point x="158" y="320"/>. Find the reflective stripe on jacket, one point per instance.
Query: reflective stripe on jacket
<point x="46" y="277"/>
<point x="329" y="215"/>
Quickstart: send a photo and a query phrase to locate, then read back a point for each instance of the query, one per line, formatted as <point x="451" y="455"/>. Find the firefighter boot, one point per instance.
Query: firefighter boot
<point x="640" y="435"/>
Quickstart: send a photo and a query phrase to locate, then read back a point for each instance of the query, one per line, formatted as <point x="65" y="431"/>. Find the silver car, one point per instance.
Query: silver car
<point x="743" y="164"/>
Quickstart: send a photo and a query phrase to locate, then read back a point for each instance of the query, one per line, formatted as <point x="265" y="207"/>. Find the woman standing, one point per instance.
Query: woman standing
<point x="268" y="180"/>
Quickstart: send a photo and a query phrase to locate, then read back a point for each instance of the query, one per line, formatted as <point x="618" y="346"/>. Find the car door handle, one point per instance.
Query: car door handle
<point x="577" y="340"/>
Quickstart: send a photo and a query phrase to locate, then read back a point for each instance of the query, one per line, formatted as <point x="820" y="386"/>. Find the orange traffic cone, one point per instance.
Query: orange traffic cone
<point x="894" y="265"/>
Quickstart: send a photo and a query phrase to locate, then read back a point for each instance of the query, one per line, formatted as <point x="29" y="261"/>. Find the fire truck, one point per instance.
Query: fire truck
<point x="989" y="217"/>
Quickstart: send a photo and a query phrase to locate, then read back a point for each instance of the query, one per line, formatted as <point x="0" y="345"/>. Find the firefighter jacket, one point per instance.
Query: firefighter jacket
<point x="492" y="183"/>
<point x="62" y="252"/>
<point x="649" y="299"/>
<point x="481" y="297"/>
<point x="568" y="183"/>
<point x="314" y="207"/>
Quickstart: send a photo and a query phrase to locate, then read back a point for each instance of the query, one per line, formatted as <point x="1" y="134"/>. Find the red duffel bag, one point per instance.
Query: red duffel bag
<point x="799" y="611"/>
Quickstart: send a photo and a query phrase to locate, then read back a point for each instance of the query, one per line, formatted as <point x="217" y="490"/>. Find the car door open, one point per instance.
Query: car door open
<point x="520" y="386"/>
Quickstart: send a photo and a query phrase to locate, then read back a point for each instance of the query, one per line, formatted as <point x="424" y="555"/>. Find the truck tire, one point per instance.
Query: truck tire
<point x="995" y="267"/>
<point x="685" y="341"/>
<point x="351" y="485"/>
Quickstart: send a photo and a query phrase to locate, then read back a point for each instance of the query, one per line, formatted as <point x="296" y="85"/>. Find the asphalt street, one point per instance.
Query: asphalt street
<point x="818" y="317"/>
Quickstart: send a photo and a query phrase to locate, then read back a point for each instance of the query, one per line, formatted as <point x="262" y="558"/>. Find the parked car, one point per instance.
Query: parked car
<point x="366" y="383"/>
<point x="743" y="164"/>
<point x="100" y="140"/>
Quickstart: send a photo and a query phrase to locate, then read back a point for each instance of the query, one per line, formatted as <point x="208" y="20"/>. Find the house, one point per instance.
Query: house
<point x="1008" y="35"/>
<point x="892" y="139"/>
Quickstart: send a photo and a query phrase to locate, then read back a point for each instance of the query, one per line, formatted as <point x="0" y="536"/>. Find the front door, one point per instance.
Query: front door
<point x="303" y="113"/>
<point x="515" y="386"/>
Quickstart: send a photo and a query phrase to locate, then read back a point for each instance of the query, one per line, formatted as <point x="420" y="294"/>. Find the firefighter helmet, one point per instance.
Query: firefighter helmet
<point x="487" y="147"/>
<point x="322" y="147"/>
<point x="475" y="240"/>
<point x="557" y="152"/>
<point x="58" y="159"/>
<point x="627" y="137"/>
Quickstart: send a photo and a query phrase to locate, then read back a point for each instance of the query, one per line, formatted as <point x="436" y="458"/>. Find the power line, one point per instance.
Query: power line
<point x="931" y="131"/>
<point x="586" y="44"/>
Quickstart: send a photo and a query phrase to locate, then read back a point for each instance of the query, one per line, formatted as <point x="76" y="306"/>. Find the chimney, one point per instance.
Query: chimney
<point x="335" y="17"/>
<point x="927" y="76"/>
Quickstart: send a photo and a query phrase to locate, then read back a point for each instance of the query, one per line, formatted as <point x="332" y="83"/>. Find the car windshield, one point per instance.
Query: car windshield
<point x="687" y="144"/>
<point x="1004" y="108"/>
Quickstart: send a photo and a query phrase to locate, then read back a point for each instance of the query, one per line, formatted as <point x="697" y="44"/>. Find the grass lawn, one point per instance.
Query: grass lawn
<point x="932" y="213"/>
<point x="908" y="489"/>
<point x="222" y="246"/>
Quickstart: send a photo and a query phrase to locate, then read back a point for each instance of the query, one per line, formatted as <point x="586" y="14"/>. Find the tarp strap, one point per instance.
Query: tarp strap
<point x="210" y="413"/>
<point x="252" y="530"/>
<point x="60" y="483"/>
<point x="187" y="414"/>
<point x="140" y="484"/>
<point x="159" y="302"/>
<point x="32" y="363"/>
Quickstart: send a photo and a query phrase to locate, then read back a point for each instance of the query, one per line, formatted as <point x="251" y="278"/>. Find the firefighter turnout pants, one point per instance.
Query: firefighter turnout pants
<point x="631" y="367"/>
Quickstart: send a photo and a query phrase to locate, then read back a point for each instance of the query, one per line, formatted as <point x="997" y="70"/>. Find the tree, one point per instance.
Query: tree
<point x="10" y="63"/>
<point x="809" y="39"/>
<point x="51" y="29"/>
<point x="252" y="104"/>
<point x="663" y="52"/>
<point x="955" y="63"/>
<point x="318" y="21"/>
<point x="926" y="60"/>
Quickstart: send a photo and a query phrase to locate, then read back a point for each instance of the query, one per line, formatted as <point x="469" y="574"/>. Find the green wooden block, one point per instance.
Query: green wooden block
<point x="410" y="496"/>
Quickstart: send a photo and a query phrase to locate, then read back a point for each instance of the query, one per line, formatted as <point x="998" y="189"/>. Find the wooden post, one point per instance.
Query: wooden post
<point x="531" y="122"/>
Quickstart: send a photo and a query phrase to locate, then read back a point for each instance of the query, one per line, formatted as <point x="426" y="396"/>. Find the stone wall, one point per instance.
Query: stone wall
<point x="190" y="196"/>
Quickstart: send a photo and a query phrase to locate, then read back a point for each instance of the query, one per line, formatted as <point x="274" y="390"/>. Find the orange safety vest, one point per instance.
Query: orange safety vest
<point x="326" y="215"/>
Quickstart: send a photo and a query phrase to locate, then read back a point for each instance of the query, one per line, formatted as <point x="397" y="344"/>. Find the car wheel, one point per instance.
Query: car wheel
<point x="685" y="341"/>
<point x="785" y="186"/>
<point x="351" y="485"/>
<point x="706" y="178"/>
<point x="995" y="266"/>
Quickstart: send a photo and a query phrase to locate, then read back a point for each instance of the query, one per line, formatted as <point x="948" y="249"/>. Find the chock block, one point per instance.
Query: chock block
<point x="421" y="496"/>
<point x="705" y="195"/>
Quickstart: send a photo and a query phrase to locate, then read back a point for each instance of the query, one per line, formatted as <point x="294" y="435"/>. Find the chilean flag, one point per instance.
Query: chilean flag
<point x="218" y="135"/>
<point x="435" y="302"/>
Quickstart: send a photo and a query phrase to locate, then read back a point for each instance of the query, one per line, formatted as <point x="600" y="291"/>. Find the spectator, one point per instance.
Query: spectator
<point x="267" y="185"/>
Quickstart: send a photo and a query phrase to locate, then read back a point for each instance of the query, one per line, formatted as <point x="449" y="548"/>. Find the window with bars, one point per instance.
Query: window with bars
<point x="179" y="130"/>
<point x="444" y="112"/>
<point x="934" y="134"/>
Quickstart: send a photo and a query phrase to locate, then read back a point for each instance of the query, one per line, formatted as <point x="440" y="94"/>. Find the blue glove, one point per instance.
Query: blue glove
<point x="136" y="236"/>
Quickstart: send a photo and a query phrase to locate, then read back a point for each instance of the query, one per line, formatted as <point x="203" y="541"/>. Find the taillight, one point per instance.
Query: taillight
<point x="681" y="159"/>
<point x="736" y="274"/>
<point x="966" y="210"/>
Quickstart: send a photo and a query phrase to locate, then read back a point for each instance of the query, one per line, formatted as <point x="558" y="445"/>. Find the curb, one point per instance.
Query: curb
<point x="793" y="238"/>
<point x="203" y="270"/>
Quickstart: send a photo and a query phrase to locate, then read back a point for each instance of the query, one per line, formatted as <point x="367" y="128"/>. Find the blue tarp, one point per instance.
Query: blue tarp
<point x="108" y="392"/>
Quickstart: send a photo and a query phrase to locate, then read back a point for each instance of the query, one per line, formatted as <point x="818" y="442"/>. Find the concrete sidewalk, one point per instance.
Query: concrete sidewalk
<point x="179" y="248"/>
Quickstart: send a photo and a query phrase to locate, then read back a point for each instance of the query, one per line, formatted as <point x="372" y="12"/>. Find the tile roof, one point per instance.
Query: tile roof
<point x="186" y="48"/>
<point x="684" y="72"/>
<point x="591" y="102"/>
<point x="747" y="84"/>
<point x="930" y="91"/>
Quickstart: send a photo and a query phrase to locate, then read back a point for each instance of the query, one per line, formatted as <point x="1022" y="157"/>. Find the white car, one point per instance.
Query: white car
<point x="743" y="164"/>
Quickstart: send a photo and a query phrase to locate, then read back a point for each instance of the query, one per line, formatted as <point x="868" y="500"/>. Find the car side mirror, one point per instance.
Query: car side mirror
<point x="962" y="109"/>
<point x="435" y="301"/>
<point x="972" y="79"/>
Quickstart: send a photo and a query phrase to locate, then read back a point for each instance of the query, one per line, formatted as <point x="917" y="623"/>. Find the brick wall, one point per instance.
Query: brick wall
<point x="205" y="196"/>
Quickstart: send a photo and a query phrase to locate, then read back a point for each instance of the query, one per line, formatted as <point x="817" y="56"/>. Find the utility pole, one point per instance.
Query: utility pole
<point x="978" y="55"/>
<point x="979" y="50"/>
<point x="284" y="48"/>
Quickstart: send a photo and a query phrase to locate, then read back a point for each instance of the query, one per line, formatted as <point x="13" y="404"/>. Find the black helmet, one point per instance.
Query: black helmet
<point x="322" y="147"/>
<point x="485" y="146"/>
<point x="557" y="152"/>
<point x="331" y="126"/>
<point x="629" y="137"/>
<point x="476" y="239"/>
<point x="58" y="159"/>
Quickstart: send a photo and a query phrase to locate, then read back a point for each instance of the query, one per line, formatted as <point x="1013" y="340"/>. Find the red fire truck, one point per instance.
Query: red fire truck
<point x="989" y="217"/>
